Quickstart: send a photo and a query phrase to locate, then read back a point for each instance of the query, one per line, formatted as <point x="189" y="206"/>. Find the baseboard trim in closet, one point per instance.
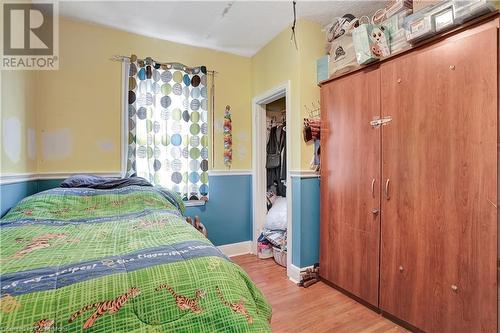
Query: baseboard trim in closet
<point x="372" y="307"/>
<point x="236" y="249"/>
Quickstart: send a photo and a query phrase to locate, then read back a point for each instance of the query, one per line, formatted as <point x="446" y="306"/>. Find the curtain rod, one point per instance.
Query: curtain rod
<point x="122" y="58"/>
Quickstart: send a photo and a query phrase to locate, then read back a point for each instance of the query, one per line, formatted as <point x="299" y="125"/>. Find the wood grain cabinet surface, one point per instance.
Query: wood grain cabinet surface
<point x="409" y="208"/>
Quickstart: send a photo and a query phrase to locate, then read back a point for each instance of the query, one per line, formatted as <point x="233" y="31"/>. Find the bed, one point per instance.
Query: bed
<point x="80" y="259"/>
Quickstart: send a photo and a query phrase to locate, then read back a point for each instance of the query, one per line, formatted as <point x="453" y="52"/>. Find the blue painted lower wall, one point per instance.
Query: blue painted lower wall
<point x="47" y="184"/>
<point x="227" y="215"/>
<point x="305" y="221"/>
<point x="11" y="194"/>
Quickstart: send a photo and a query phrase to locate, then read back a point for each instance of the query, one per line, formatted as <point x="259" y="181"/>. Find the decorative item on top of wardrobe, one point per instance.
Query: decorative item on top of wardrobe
<point x="339" y="27"/>
<point x="339" y="44"/>
<point x="228" y="137"/>
<point x="398" y="26"/>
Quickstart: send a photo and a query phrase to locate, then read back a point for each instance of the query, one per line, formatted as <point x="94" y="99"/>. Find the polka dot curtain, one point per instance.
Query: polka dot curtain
<point x="168" y="126"/>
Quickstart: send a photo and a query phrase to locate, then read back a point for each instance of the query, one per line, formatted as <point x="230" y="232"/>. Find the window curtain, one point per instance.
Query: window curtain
<point x="168" y="126"/>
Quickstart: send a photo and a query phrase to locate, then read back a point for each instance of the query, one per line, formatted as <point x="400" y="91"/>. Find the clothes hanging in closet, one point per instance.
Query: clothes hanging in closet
<point x="276" y="144"/>
<point x="283" y="158"/>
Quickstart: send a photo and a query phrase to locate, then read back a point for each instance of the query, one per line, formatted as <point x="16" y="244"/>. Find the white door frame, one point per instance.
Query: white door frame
<point x="259" y="163"/>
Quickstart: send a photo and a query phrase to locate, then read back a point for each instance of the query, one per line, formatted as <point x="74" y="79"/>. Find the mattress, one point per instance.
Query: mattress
<point x="118" y="260"/>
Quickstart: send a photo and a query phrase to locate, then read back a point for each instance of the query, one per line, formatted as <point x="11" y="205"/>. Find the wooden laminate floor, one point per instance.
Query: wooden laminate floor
<point x="317" y="309"/>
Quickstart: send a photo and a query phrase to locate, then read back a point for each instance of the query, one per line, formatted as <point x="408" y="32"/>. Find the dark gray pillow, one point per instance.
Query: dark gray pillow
<point x="97" y="182"/>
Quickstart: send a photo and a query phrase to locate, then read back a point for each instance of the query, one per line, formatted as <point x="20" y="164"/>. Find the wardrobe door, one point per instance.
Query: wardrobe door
<point x="350" y="184"/>
<point x="439" y="215"/>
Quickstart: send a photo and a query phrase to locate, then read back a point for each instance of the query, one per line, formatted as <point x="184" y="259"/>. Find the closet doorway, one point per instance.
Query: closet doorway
<point x="272" y="192"/>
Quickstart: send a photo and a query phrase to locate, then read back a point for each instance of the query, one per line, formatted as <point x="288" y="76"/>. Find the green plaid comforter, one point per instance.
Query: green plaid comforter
<point x="120" y="260"/>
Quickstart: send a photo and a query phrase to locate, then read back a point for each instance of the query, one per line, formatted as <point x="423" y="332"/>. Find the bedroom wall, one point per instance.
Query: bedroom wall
<point x="312" y="40"/>
<point x="18" y="122"/>
<point x="305" y="221"/>
<point x="275" y="64"/>
<point x="231" y="199"/>
<point x="11" y="194"/>
<point x="80" y="103"/>
<point x="17" y="134"/>
<point x="78" y="128"/>
<point x="279" y="61"/>
<point x="98" y="104"/>
<point x="226" y="223"/>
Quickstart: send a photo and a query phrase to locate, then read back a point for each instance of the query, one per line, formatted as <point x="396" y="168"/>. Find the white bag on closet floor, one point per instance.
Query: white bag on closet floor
<point x="276" y="217"/>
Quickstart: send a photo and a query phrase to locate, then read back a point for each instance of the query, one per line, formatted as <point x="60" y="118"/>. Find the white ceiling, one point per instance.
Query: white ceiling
<point x="239" y="27"/>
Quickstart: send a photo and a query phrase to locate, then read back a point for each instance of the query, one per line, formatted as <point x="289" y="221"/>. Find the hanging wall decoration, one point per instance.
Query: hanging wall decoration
<point x="228" y="138"/>
<point x="312" y="132"/>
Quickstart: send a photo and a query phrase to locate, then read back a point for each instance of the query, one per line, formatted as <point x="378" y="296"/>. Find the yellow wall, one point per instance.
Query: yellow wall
<point x="278" y="62"/>
<point x="75" y="111"/>
<point x="311" y="47"/>
<point x="18" y="123"/>
<point x="275" y="64"/>
<point x="80" y="103"/>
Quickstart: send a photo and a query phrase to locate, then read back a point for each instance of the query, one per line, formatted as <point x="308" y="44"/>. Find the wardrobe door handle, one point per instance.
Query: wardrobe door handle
<point x="386" y="189"/>
<point x="373" y="188"/>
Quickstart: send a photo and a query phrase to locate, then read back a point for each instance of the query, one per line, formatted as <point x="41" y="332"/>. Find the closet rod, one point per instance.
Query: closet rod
<point x="122" y="58"/>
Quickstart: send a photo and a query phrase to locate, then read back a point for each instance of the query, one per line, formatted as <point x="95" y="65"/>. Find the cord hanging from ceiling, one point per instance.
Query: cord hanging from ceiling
<point x="293" y="26"/>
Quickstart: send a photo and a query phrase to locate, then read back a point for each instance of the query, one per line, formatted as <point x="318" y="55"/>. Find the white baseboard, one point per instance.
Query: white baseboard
<point x="294" y="273"/>
<point x="64" y="175"/>
<point x="236" y="249"/>
<point x="10" y="178"/>
<point x="303" y="174"/>
<point x="236" y="172"/>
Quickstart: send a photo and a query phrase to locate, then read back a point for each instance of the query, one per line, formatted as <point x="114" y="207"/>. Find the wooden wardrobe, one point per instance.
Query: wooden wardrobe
<point x="409" y="182"/>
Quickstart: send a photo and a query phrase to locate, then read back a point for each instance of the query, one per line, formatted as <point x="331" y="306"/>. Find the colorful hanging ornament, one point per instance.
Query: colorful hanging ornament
<point x="228" y="137"/>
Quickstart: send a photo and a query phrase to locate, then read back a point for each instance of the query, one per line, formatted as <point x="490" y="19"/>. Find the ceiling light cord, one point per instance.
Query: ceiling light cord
<point x="293" y="26"/>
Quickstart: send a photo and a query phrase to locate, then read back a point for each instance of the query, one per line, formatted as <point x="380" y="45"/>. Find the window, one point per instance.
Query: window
<point x="168" y="126"/>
